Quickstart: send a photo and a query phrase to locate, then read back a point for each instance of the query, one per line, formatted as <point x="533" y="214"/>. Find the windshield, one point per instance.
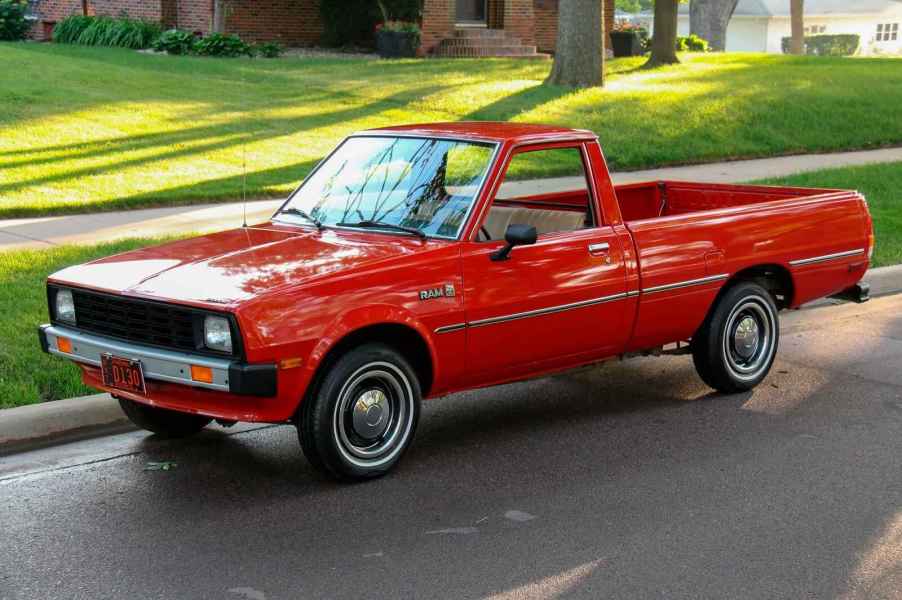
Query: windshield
<point x="421" y="183"/>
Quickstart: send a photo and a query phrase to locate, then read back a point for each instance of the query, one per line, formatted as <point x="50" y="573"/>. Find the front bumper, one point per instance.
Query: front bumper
<point x="164" y="365"/>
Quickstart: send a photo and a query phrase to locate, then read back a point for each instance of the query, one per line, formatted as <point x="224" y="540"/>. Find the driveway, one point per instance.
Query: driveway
<point x="631" y="481"/>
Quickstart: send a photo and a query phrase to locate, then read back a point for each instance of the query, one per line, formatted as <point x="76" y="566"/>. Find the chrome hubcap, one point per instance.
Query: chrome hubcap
<point x="745" y="340"/>
<point x="372" y="414"/>
<point x="749" y="341"/>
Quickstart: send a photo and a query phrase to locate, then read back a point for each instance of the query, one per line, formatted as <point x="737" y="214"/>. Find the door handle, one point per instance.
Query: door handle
<point x="599" y="248"/>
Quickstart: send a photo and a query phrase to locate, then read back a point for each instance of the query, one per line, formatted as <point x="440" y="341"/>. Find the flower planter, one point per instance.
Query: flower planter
<point x="397" y="44"/>
<point x="626" y="43"/>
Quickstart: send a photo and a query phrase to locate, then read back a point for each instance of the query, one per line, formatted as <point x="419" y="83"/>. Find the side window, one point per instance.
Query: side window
<point x="547" y="189"/>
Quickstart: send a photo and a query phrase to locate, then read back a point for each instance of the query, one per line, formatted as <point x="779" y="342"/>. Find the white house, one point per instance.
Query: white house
<point x="761" y="25"/>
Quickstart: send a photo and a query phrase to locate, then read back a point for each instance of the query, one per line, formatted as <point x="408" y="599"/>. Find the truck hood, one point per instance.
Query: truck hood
<point x="233" y="266"/>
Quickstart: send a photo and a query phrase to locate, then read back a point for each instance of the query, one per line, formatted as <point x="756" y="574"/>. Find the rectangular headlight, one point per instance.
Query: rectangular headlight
<point x="217" y="333"/>
<point x="65" y="307"/>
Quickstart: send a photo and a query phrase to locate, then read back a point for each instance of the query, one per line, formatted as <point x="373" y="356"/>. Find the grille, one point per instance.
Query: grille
<point x="135" y="320"/>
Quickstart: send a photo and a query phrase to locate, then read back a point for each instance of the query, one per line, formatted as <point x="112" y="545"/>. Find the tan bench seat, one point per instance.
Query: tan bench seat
<point x="544" y="220"/>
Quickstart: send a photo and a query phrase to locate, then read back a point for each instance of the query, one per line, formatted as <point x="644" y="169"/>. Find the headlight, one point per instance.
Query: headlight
<point x="217" y="334"/>
<point x="65" y="306"/>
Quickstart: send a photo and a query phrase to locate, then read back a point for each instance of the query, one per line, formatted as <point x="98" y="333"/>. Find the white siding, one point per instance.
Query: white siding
<point x="864" y="26"/>
<point x="765" y="34"/>
<point x="747" y="35"/>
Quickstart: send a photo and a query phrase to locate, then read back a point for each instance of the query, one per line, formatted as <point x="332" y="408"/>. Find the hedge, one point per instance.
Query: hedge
<point x="845" y="44"/>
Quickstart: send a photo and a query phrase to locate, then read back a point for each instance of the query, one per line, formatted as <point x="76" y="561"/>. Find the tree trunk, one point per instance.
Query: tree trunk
<point x="579" y="55"/>
<point x="219" y="16"/>
<point x="663" y="42"/>
<point x="708" y="19"/>
<point x="797" y="17"/>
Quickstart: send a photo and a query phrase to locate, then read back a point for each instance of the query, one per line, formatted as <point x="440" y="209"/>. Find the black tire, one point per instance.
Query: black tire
<point x="735" y="347"/>
<point x="165" y="423"/>
<point x="358" y="422"/>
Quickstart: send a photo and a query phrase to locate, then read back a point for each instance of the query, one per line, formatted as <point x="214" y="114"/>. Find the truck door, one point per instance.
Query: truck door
<point x="558" y="302"/>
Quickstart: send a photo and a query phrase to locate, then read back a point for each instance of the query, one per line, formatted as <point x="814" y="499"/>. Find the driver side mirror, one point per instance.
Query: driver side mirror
<point x="516" y="235"/>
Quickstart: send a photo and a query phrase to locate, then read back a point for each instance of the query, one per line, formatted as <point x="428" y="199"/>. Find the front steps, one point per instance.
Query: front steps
<point x="478" y="42"/>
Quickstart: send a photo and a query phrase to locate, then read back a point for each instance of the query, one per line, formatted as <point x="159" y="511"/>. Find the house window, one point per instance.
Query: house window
<point x="887" y="32"/>
<point x="815" y="29"/>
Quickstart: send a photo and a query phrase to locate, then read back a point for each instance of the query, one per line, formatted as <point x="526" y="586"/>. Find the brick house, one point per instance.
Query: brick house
<point x="450" y="27"/>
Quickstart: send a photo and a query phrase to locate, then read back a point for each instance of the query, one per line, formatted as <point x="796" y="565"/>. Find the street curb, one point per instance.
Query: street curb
<point x="61" y="421"/>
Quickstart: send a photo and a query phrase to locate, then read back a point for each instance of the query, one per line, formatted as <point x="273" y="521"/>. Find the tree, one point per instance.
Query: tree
<point x="579" y="55"/>
<point x="663" y="42"/>
<point x="708" y="19"/>
<point x="797" y="18"/>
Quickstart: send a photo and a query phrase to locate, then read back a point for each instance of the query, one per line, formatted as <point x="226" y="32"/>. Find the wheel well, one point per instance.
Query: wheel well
<point x="406" y="340"/>
<point x="776" y="279"/>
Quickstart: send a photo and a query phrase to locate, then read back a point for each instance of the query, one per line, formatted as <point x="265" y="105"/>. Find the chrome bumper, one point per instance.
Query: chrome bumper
<point x="164" y="365"/>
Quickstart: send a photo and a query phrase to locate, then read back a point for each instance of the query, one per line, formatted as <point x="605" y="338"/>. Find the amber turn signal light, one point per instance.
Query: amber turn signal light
<point x="64" y="344"/>
<point x="202" y="374"/>
<point x="290" y="363"/>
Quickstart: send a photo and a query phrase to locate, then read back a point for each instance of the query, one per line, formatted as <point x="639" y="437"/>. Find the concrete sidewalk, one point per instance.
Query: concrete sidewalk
<point x="45" y="232"/>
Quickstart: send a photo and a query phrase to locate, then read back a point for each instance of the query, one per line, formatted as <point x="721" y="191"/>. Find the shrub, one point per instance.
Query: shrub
<point x="69" y="29"/>
<point x="132" y="33"/>
<point x="96" y="32"/>
<point x="175" y="41"/>
<point x="845" y="44"/>
<point x="13" y="24"/>
<point x="692" y="43"/>
<point x="106" y="31"/>
<point x="219" y="44"/>
<point x="354" y="21"/>
<point x="269" y="50"/>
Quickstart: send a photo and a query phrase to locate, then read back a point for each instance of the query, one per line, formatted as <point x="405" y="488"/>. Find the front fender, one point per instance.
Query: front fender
<point x="368" y="316"/>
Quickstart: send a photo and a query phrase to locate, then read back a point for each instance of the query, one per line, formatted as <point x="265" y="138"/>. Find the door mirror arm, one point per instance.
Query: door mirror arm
<point x="516" y="235"/>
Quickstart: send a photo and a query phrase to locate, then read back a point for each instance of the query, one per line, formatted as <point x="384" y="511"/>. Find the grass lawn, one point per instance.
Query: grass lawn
<point x="96" y="128"/>
<point x="881" y="185"/>
<point x="27" y="375"/>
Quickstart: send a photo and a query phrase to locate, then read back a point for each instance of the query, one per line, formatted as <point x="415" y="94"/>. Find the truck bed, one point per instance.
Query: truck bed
<point x="653" y="199"/>
<point x="693" y="233"/>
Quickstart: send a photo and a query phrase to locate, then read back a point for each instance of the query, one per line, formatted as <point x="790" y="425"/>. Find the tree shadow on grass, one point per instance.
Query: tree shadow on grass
<point x="244" y="131"/>
<point x="268" y="183"/>
<point x="512" y="105"/>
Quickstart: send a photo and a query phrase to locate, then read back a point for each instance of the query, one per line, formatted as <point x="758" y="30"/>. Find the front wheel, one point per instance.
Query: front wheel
<point x="735" y="347"/>
<point x="362" y="417"/>
<point x="165" y="423"/>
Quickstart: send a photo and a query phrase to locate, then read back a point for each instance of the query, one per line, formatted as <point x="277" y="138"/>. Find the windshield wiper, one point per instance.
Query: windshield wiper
<point x="370" y="224"/>
<point x="297" y="211"/>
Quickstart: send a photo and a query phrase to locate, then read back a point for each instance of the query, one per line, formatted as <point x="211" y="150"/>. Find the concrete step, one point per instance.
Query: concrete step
<point x="488" y="51"/>
<point x="479" y="33"/>
<point x="479" y="43"/>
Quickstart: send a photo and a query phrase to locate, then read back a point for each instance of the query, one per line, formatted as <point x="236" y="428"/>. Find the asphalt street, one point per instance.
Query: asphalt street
<point x="630" y="481"/>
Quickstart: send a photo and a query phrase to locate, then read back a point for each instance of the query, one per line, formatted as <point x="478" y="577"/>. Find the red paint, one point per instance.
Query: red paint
<point x="297" y="292"/>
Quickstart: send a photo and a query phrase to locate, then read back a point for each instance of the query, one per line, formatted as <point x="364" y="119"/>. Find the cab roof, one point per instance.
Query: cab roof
<point x="490" y="131"/>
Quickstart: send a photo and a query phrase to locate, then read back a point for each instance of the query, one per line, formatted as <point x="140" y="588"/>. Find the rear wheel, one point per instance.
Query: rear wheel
<point x="735" y="347"/>
<point x="165" y="423"/>
<point x="361" y="418"/>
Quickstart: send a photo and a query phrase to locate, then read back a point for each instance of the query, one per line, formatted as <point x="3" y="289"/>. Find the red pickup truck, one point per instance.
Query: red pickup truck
<point x="418" y="261"/>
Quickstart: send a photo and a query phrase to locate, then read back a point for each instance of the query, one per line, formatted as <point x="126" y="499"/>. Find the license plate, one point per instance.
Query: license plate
<point x="122" y="373"/>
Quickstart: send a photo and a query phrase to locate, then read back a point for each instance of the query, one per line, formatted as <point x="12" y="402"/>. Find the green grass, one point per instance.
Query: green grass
<point x="27" y="375"/>
<point x="86" y="129"/>
<point x="881" y="185"/>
